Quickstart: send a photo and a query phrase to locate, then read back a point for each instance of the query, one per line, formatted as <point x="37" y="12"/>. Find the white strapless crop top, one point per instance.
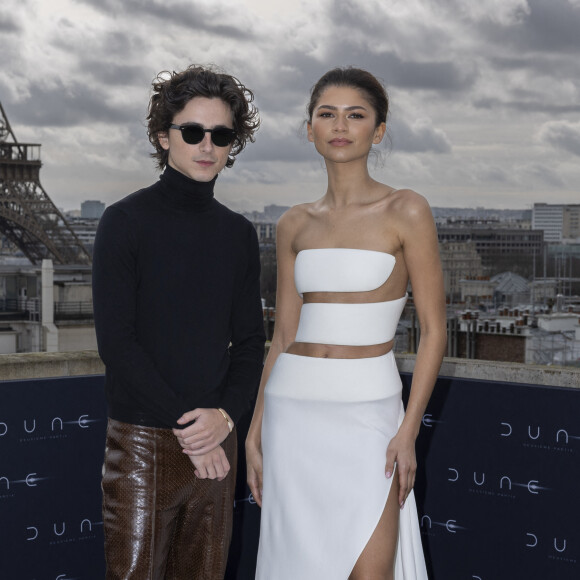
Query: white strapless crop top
<point x="345" y="270"/>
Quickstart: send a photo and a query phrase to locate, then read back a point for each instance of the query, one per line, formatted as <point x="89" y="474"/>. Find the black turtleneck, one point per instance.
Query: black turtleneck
<point x="177" y="305"/>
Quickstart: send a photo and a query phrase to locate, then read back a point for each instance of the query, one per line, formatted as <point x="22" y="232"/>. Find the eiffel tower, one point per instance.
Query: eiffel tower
<point x="28" y="217"/>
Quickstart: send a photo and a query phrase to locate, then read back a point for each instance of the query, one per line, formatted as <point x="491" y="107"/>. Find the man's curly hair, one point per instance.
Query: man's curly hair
<point x="173" y="90"/>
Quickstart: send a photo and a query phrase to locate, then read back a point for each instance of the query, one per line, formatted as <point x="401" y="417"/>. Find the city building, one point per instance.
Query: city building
<point x="92" y="209"/>
<point x="500" y="249"/>
<point x="514" y="218"/>
<point x="517" y="335"/>
<point x="47" y="308"/>
<point x="85" y="230"/>
<point x="459" y="260"/>
<point x="558" y="221"/>
<point x="266" y="231"/>
<point x="274" y="212"/>
<point x="477" y="291"/>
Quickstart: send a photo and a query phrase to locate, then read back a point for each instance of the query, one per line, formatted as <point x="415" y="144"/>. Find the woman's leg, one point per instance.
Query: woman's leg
<point x="377" y="561"/>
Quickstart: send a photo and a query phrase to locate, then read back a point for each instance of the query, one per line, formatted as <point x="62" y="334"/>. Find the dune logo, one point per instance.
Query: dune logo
<point x="558" y="544"/>
<point x="534" y="432"/>
<point x="478" y="482"/>
<point x="56" y="424"/>
<point x="250" y="499"/>
<point x="505" y="478"/>
<point x="450" y="525"/>
<point x="30" y="480"/>
<point x="428" y="420"/>
<point x="505" y="482"/>
<point x="59" y="529"/>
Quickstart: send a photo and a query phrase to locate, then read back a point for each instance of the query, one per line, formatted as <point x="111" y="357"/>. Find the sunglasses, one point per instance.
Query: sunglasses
<point x="194" y="134"/>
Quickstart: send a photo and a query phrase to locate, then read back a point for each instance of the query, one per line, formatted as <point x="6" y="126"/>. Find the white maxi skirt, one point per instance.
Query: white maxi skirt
<point x="326" y="427"/>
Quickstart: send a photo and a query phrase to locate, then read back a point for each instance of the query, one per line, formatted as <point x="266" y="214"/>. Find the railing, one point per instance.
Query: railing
<point x="10" y="305"/>
<point x="73" y="310"/>
<point x="12" y="309"/>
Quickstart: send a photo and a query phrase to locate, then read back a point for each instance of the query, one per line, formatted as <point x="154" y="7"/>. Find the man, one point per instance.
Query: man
<point x="179" y="327"/>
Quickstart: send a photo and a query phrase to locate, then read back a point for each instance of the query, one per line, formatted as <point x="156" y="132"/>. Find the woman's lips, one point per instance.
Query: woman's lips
<point x="340" y="142"/>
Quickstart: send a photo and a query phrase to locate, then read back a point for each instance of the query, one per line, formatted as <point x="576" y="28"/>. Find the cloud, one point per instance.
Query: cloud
<point x="96" y="45"/>
<point x="501" y="12"/>
<point x="289" y="147"/>
<point x="200" y="19"/>
<point x="541" y="175"/>
<point x="493" y="174"/>
<point x="428" y="74"/>
<point x="544" y="25"/>
<point x="536" y="105"/>
<point x="419" y="137"/>
<point x="105" y="74"/>
<point x="9" y="24"/>
<point x="60" y="105"/>
<point x="486" y="95"/>
<point x="563" y="135"/>
<point x="553" y="26"/>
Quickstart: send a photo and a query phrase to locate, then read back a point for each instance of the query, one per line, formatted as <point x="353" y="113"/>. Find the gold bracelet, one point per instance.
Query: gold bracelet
<point x="228" y="420"/>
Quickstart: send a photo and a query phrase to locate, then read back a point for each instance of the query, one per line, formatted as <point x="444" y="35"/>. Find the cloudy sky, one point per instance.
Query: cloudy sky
<point x="485" y="94"/>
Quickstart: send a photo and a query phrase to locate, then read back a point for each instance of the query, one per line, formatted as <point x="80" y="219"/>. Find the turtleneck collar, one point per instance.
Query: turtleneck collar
<point x="183" y="192"/>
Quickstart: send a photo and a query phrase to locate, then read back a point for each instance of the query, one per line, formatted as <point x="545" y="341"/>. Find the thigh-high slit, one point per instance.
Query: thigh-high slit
<point x="326" y="427"/>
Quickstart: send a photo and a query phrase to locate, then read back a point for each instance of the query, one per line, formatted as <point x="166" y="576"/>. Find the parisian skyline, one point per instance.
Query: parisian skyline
<point x="484" y="96"/>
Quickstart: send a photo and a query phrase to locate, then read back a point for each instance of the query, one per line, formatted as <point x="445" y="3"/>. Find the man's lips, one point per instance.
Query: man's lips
<point x="205" y="163"/>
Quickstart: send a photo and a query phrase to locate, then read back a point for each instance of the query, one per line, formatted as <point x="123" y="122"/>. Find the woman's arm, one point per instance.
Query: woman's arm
<point x="288" y="304"/>
<point x="420" y="248"/>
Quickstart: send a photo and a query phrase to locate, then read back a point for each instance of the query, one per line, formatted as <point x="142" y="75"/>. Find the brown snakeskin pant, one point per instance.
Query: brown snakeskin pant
<point x="160" y="521"/>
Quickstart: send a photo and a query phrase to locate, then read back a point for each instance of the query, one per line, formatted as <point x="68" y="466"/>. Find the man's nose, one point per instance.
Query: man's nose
<point x="206" y="143"/>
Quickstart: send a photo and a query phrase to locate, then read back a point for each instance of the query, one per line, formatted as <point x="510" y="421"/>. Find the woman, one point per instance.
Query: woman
<point x="338" y="449"/>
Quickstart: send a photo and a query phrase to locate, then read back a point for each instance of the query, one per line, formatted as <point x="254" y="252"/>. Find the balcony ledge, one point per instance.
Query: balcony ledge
<point x="36" y="365"/>
<point x="87" y="362"/>
<point x="494" y="371"/>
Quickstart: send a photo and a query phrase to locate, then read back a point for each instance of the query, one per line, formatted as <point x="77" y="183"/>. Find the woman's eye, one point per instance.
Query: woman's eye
<point x="357" y="116"/>
<point x="326" y="114"/>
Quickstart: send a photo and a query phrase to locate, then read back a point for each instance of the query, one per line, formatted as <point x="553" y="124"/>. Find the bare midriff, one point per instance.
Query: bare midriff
<point x="339" y="350"/>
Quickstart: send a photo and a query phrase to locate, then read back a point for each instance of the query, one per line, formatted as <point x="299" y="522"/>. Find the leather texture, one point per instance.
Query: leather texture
<point x="160" y="521"/>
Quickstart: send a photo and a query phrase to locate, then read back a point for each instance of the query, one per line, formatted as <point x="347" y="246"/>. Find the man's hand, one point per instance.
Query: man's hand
<point x="208" y="431"/>
<point x="212" y="465"/>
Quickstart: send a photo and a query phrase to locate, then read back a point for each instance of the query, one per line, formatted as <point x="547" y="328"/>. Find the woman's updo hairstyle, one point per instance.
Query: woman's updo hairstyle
<point x="356" y="78"/>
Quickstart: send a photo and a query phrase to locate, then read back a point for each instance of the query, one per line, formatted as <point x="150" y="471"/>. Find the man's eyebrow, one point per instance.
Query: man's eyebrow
<point x="333" y="108"/>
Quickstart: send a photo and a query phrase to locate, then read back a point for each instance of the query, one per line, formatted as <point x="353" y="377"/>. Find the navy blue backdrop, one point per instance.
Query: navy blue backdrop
<point x="497" y="486"/>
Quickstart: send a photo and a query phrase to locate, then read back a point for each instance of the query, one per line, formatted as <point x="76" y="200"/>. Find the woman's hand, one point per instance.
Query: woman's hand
<point x="401" y="451"/>
<point x="254" y="469"/>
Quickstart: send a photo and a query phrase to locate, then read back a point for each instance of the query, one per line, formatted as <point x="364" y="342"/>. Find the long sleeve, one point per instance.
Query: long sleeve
<point x="248" y="337"/>
<point x="115" y="287"/>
